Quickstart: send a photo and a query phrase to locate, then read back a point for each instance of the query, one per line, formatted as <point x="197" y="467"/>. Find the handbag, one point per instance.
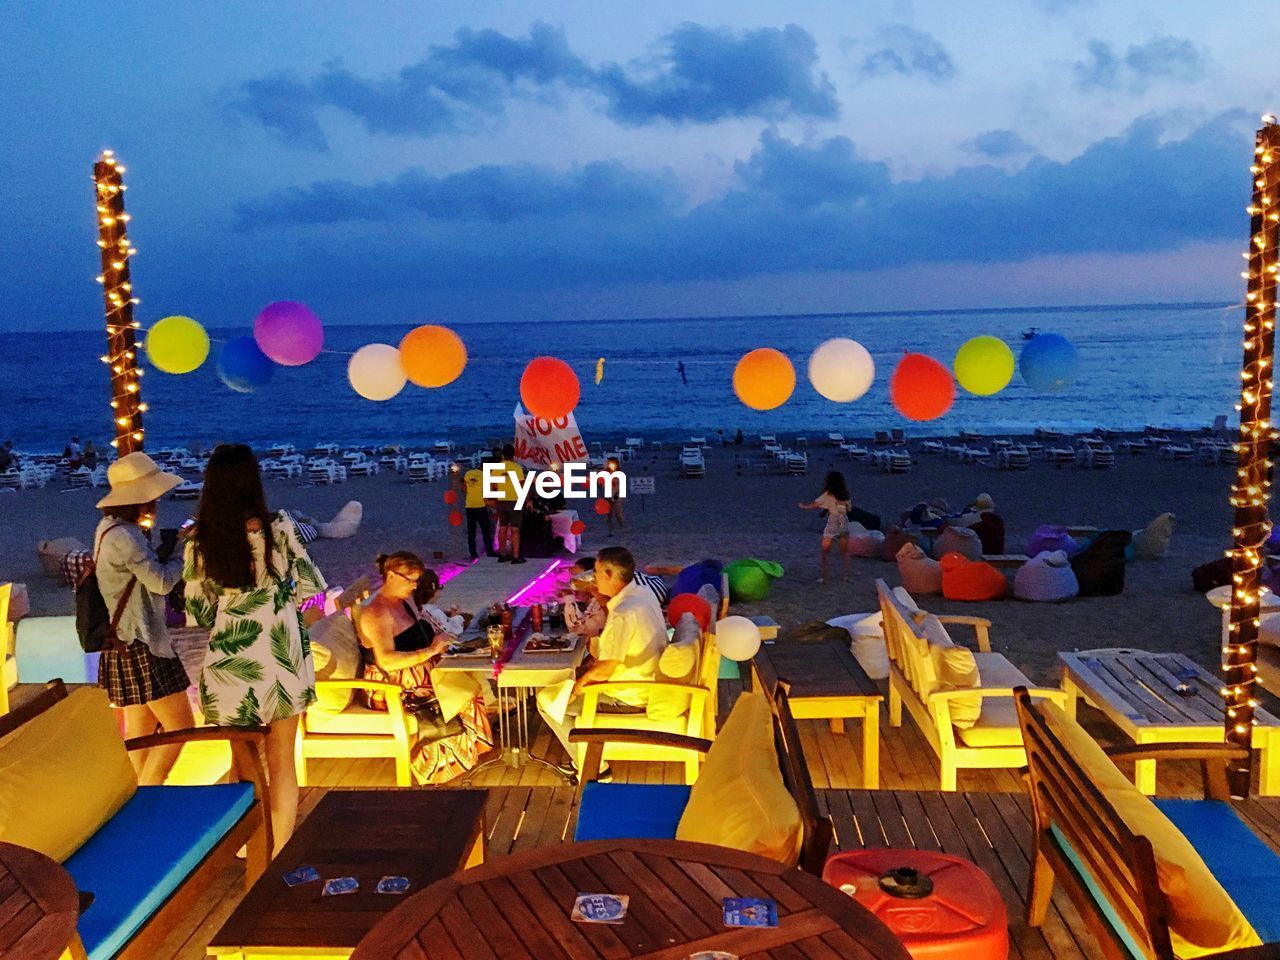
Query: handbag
<point x="431" y="723"/>
<point x="94" y="628"/>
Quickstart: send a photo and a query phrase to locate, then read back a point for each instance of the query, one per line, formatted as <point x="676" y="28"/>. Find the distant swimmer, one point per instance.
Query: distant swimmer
<point x="599" y="371"/>
<point x="684" y="378"/>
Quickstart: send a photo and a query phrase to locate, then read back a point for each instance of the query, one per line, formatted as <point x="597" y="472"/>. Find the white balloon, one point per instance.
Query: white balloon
<point x="737" y="638"/>
<point x="375" y="371"/>
<point x="841" y="369"/>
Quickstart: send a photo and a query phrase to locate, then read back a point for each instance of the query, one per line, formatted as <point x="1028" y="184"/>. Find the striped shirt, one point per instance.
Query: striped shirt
<point x="656" y="584"/>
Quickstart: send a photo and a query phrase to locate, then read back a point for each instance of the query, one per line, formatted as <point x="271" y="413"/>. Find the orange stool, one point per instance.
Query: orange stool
<point x="938" y="905"/>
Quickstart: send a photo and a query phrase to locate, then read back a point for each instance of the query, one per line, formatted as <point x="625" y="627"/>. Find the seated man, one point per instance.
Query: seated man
<point x="628" y="649"/>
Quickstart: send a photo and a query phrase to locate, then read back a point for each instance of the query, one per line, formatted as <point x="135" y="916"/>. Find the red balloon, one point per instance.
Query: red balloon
<point x="451" y="497"/>
<point x="577" y="528"/>
<point x="455" y="518"/>
<point x="549" y="388"/>
<point x="683" y="603"/>
<point x="921" y="388"/>
<point x="602" y="506"/>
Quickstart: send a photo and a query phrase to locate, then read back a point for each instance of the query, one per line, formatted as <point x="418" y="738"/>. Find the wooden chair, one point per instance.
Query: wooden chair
<point x="994" y="741"/>
<point x="1108" y="871"/>
<point x="8" y="654"/>
<point x="818" y="829"/>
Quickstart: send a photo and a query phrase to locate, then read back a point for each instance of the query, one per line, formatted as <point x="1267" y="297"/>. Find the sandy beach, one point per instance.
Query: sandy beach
<point x="738" y="512"/>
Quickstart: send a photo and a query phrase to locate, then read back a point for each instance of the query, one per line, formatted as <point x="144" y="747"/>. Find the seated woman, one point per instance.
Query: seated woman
<point x="584" y="610"/>
<point x="399" y="646"/>
<point x="453" y="621"/>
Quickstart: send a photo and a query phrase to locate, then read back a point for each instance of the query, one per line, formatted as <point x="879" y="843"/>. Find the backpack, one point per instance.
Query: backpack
<point x="97" y="630"/>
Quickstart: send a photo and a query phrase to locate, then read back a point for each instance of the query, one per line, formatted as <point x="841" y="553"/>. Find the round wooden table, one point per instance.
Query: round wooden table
<point x="518" y="907"/>
<point x="39" y="904"/>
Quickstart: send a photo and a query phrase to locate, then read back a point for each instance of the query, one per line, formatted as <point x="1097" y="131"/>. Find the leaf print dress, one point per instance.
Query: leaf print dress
<point x="258" y="665"/>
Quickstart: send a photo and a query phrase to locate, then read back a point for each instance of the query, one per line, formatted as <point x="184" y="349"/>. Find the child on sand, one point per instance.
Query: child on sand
<point x="835" y="500"/>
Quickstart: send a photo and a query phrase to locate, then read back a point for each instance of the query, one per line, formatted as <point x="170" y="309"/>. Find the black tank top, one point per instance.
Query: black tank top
<point x="417" y="637"/>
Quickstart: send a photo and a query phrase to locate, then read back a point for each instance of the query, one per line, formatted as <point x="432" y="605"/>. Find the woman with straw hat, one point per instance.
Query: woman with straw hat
<point x="139" y="670"/>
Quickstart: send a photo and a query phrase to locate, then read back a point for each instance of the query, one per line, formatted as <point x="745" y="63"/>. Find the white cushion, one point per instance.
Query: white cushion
<point x="866" y="641"/>
<point x="678" y="663"/>
<point x="997" y="725"/>
<point x="336" y="653"/>
<point x="956" y="669"/>
<point x="356" y="719"/>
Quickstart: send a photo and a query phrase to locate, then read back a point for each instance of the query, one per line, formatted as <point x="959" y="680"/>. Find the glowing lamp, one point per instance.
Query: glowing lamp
<point x="243" y="366"/>
<point x="841" y="369"/>
<point x="737" y="638"/>
<point x="764" y="379"/>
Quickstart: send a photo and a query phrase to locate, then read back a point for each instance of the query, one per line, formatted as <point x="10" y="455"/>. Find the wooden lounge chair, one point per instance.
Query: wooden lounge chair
<point x="882" y="438"/>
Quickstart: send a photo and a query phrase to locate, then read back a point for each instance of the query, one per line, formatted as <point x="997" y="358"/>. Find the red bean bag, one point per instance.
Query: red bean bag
<point x="972" y="580"/>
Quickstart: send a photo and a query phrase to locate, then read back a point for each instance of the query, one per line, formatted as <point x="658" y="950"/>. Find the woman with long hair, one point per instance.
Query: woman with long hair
<point x="399" y="645"/>
<point x="246" y="573"/>
<point x="140" y="670"/>
<point x="835" y="500"/>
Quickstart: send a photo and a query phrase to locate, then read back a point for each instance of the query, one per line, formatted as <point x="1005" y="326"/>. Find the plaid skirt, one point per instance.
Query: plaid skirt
<point x="136" y="675"/>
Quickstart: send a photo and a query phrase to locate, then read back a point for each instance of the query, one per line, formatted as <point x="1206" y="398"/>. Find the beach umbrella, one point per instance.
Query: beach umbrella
<point x="764" y="379"/>
<point x="432" y="356"/>
<point x="1049" y="363"/>
<point x="375" y="371"/>
<point x="841" y="369"/>
<point x="177" y="344"/>
<point x="243" y="366"/>
<point x="549" y="388"/>
<point x="921" y="388"/>
<point x="984" y="365"/>
<point x="289" y="333"/>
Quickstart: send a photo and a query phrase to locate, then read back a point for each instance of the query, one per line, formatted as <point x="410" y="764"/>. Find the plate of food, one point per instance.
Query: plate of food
<point x="540" y="643"/>
<point x="468" y="647"/>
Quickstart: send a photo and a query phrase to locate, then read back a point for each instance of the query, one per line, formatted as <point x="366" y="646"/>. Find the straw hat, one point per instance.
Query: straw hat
<point x="136" y="478"/>
<point x="984" y="502"/>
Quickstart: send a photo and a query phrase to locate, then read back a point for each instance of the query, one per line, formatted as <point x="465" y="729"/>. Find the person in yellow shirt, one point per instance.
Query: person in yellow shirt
<point x="509" y="518"/>
<point x="477" y="508"/>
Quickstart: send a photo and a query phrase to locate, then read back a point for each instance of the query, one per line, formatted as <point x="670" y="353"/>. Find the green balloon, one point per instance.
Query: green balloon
<point x="984" y="365"/>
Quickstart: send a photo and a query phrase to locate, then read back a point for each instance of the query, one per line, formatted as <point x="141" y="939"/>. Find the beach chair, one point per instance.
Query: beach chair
<point x="443" y="446"/>
<point x="363" y="467"/>
<point x="1015" y="458"/>
<point x="1176" y="451"/>
<point x="281" y="449"/>
<point x="1060" y="455"/>
<point x="767" y="438"/>
<point x="897" y="435"/>
<point x="893" y="461"/>
<point x="881" y="438"/>
<point x="692" y="465"/>
<point x="635" y="443"/>
<point x="835" y="439"/>
<point x="326" y="449"/>
<point x="971" y="435"/>
<point x="975" y="454"/>
<point x="1103" y="458"/>
<point x="934" y="447"/>
<point x="1045" y="433"/>
<point x="854" y="451"/>
<point x="78" y="479"/>
<point x="11" y="478"/>
<point x="187" y="490"/>
<point x="419" y="469"/>
<point x="321" y="472"/>
<point x="797" y="464"/>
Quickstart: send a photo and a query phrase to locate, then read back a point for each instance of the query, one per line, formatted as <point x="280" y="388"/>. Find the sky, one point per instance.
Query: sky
<point x="398" y="162"/>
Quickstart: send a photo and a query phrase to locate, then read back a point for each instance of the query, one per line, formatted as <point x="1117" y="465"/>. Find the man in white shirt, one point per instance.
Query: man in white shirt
<point x="628" y="648"/>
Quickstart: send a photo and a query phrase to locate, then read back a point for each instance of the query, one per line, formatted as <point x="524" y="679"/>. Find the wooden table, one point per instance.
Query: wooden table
<point x="423" y="834"/>
<point x="1138" y="692"/>
<point x="39" y="906"/>
<point x="827" y="683"/>
<point x="518" y="907"/>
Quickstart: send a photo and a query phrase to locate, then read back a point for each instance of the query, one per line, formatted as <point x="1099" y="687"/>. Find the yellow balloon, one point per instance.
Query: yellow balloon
<point x="984" y="365"/>
<point x="177" y="344"/>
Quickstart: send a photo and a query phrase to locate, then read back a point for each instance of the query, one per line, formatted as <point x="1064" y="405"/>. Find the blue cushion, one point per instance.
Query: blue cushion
<point x="649" y="811"/>
<point x="1097" y="895"/>
<point x="143" y="853"/>
<point x="1247" y="868"/>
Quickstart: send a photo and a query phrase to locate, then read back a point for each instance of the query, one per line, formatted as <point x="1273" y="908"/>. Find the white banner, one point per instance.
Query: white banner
<point x="540" y="442"/>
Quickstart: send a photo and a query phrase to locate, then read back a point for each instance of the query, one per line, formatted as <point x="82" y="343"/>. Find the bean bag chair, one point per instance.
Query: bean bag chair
<point x="1215" y="573"/>
<point x="918" y="572"/>
<point x="864" y="542"/>
<point x="990" y="531"/>
<point x="751" y="579"/>
<point x="959" y="540"/>
<point x="866" y="641"/>
<point x="1046" y="578"/>
<point x="1152" y="541"/>
<point x="51" y="553"/>
<point x="864" y="517"/>
<point x="1049" y="538"/>
<point x="894" y="541"/>
<point x="695" y="575"/>
<point x="345" y="522"/>
<point x="971" y="580"/>
<point x="1100" y="567"/>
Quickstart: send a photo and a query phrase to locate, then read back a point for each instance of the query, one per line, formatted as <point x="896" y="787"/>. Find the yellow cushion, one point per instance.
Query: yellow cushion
<point x="740" y="800"/>
<point x="956" y="669"/>
<point x="63" y="774"/>
<point x="997" y="723"/>
<point x="1203" y="919"/>
<point x="355" y="720"/>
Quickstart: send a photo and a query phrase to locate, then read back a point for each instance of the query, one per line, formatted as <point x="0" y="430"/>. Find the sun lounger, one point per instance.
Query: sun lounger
<point x="1013" y="458"/>
<point x="187" y="490"/>
<point x="933" y="446"/>
<point x="893" y="461"/>
<point x="835" y="439"/>
<point x="971" y="435"/>
<point x="1060" y="455"/>
<point x="326" y="449"/>
<point x="443" y="446"/>
<point x="797" y="464"/>
<point x="882" y="438"/>
<point x="693" y="465"/>
<point x="1176" y="451"/>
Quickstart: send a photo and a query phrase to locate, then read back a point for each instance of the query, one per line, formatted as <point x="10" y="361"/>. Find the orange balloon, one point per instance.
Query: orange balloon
<point x="549" y="388"/>
<point x="764" y="379"/>
<point x="432" y="356"/>
<point x="921" y="388"/>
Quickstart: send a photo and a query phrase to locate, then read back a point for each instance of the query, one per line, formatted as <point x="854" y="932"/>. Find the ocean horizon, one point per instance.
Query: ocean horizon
<point x="1174" y="365"/>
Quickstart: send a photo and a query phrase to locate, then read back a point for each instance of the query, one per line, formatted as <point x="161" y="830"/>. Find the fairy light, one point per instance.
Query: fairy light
<point x="1251" y="491"/>
<point x="117" y="291"/>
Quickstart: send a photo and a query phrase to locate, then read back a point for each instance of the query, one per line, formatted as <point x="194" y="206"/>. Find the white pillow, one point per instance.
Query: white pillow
<point x="956" y="669"/>
<point x="678" y="663"/>
<point x="336" y="653"/>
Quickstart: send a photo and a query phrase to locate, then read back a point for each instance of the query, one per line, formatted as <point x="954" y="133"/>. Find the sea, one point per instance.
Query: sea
<point x="1167" y="365"/>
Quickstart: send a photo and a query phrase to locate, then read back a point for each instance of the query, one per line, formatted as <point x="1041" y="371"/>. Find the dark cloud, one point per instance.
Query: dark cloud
<point x="696" y="74"/>
<point x="999" y="145"/>
<point x="1160" y="58"/>
<point x="905" y="50"/>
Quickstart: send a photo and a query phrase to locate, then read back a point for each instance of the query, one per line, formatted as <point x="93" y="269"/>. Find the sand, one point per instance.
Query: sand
<point x="737" y="512"/>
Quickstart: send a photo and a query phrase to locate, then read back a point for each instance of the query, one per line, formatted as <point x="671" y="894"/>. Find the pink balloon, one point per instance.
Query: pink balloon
<point x="289" y="333"/>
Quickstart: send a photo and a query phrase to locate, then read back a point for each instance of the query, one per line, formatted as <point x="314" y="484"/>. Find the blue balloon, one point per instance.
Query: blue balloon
<point x="1049" y="363"/>
<point x="243" y="366"/>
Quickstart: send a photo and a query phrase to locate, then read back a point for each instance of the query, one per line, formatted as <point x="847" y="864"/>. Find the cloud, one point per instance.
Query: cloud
<point x="904" y="50"/>
<point x="1161" y="58"/>
<point x="999" y="145"/>
<point x="695" y="75"/>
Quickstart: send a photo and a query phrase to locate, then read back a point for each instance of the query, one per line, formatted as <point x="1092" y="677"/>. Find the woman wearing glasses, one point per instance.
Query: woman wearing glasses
<point x="398" y="645"/>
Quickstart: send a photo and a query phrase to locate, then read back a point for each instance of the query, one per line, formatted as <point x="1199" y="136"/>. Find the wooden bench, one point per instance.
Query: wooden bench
<point x="1005" y="561"/>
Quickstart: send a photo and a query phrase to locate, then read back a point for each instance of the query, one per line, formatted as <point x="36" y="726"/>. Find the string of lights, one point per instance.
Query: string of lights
<point x="1251" y="491"/>
<point x="117" y="289"/>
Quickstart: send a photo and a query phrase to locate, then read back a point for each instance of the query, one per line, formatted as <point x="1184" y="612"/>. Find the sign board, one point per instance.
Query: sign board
<point x="641" y="485"/>
<point x="540" y="442"/>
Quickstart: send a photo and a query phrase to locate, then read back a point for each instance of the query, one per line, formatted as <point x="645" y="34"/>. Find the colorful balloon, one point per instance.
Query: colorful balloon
<point x="243" y="366"/>
<point x="289" y="333"/>
<point x="432" y="356"/>
<point x="549" y="388"/>
<point x="602" y="506"/>
<point x="451" y="497"/>
<point x="1049" y="363"/>
<point x="683" y="603"/>
<point x="177" y="344"/>
<point x="577" y="528"/>
<point x="764" y="379"/>
<point x="984" y="365"/>
<point x="375" y="371"/>
<point x="921" y="388"/>
<point x="455" y="518"/>
<point x="841" y="369"/>
<point x="737" y="638"/>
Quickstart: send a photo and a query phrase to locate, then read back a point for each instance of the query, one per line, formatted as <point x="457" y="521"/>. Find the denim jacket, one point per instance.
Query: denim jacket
<point x="123" y="552"/>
